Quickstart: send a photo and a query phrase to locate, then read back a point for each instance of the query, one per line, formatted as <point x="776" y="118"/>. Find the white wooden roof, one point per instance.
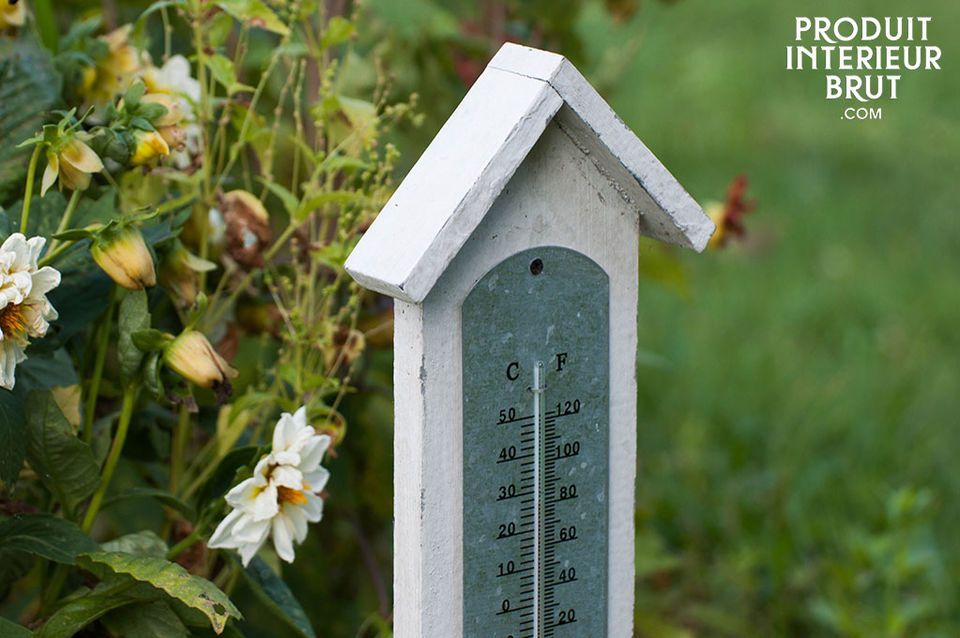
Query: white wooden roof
<point x="452" y="186"/>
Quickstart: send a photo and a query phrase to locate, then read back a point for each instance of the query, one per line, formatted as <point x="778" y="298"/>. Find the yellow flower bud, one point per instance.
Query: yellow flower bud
<point x="124" y="256"/>
<point x="12" y="13"/>
<point x="150" y="145"/>
<point x="192" y="357"/>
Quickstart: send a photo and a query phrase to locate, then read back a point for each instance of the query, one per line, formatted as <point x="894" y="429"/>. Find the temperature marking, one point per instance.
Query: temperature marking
<point x="536" y="449"/>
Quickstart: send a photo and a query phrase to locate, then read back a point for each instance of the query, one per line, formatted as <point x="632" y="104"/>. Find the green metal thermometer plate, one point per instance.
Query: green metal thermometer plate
<point x="536" y="413"/>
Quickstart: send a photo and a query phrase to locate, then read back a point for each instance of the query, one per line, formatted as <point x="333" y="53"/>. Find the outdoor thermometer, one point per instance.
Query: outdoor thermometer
<point x="511" y="250"/>
<point x="536" y="439"/>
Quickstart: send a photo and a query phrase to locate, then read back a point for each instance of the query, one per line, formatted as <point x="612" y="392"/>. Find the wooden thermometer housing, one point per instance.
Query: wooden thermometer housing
<point x="511" y="251"/>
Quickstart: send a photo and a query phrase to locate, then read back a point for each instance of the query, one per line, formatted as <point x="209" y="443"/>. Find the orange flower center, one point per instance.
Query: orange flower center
<point x="12" y="321"/>
<point x="290" y="495"/>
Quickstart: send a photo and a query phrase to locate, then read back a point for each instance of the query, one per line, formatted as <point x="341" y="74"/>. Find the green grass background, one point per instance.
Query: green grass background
<point x="800" y="407"/>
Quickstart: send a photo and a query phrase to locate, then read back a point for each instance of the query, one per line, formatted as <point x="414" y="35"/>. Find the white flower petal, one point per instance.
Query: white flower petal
<point x="223" y="537"/>
<point x="298" y="521"/>
<point x="247" y="530"/>
<point x="243" y="493"/>
<point x="316" y="480"/>
<point x="9" y="351"/>
<point x="312" y="453"/>
<point x="287" y="476"/>
<point x="43" y="281"/>
<point x="286" y="457"/>
<point x="248" y="551"/>
<point x="265" y="504"/>
<point x="283" y="433"/>
<point x="283" y="538"/>
<point x="313" y="509"/>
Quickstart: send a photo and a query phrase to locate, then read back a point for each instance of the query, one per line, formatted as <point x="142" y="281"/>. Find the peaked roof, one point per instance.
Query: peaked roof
<point x="446" y="194"/>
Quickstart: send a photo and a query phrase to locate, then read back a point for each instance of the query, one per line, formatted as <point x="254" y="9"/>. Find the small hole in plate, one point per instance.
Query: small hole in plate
<point x="536" y="266"/>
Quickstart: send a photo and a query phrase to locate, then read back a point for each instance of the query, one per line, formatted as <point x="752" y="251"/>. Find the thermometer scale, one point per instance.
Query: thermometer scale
<point x="536" y="440"/>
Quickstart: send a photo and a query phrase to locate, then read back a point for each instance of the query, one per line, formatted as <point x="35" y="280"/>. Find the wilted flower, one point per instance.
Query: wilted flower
<point x="178" y="274"/>
<point x="728" y="216"/>
<point x="73" y="162"/>
<point x="248" y="227"/>
<point x="192" y="357"/>
<point x="24" y="308"/>
<point x="13" y="13"/>
<point x="281" y="497"/>
<point x="123" y="255"/>
<point x="348" y="344"/>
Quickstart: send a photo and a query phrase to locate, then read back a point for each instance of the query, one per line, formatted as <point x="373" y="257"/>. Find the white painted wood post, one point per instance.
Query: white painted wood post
<point x="532" y="157"/>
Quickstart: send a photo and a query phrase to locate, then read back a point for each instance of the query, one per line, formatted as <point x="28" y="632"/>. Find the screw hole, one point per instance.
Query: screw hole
<point x="536" y="266"/>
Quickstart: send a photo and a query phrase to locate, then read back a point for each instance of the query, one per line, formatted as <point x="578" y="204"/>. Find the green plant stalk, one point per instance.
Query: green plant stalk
<point x="184" y="544"/>
<point x="46" y="24"/>
<point x="52" y="255"/>
<point x="178" y="446"/>
<point x="93" y="392"/>
<point x="52" y="591"/>
<point x="126" y="414"/>
<point x="66" y="219"/>
<point x="28" y="189"/>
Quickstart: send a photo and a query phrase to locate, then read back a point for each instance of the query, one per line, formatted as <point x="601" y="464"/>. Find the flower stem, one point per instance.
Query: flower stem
<point x="184" y="545"/>
<point x="66" y="219"/>
<point x="103" y="341"/>
<point x="28" y="190"/>
<point x="126" y="414"/>
<point x="180" y="435"/>
<point x="52" y="255"/>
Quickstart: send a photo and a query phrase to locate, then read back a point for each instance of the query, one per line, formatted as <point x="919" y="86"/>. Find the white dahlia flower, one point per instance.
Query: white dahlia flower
<point x="25" y="312"/>
<point x="281" y="497"/>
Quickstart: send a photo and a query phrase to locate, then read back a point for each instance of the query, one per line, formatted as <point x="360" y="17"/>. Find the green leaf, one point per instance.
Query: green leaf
<point x="29" y="86"/>
<point x="339" y="30"/>
<point x="44" y="371"/>
<point x="10" y="629"/>
<point x="255" y="13"/>
<point x="13" y="437"/>
<point x="288" y="199"/>
<point x="222" y="69"/>
<point x="170" y="578"/>
<point x="86" y="294"/>
<point x="85" y="606"/>
<point x="150" y="620"/>
<point x="45" y="211"/>
<point x="13" y="567"/>
<point x="64" y="463"/>
<point x="134" y="317"/>
<point x="44" y="535"/>
<point x="161" y="496"/>
<point x="341" y="198"/>
<point x="150" y="340"/>
<point x="145" y="543"/>
<point x="276" y="595"/>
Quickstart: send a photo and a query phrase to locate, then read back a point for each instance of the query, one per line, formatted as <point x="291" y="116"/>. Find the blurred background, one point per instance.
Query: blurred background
<point x="799" y="406"/>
